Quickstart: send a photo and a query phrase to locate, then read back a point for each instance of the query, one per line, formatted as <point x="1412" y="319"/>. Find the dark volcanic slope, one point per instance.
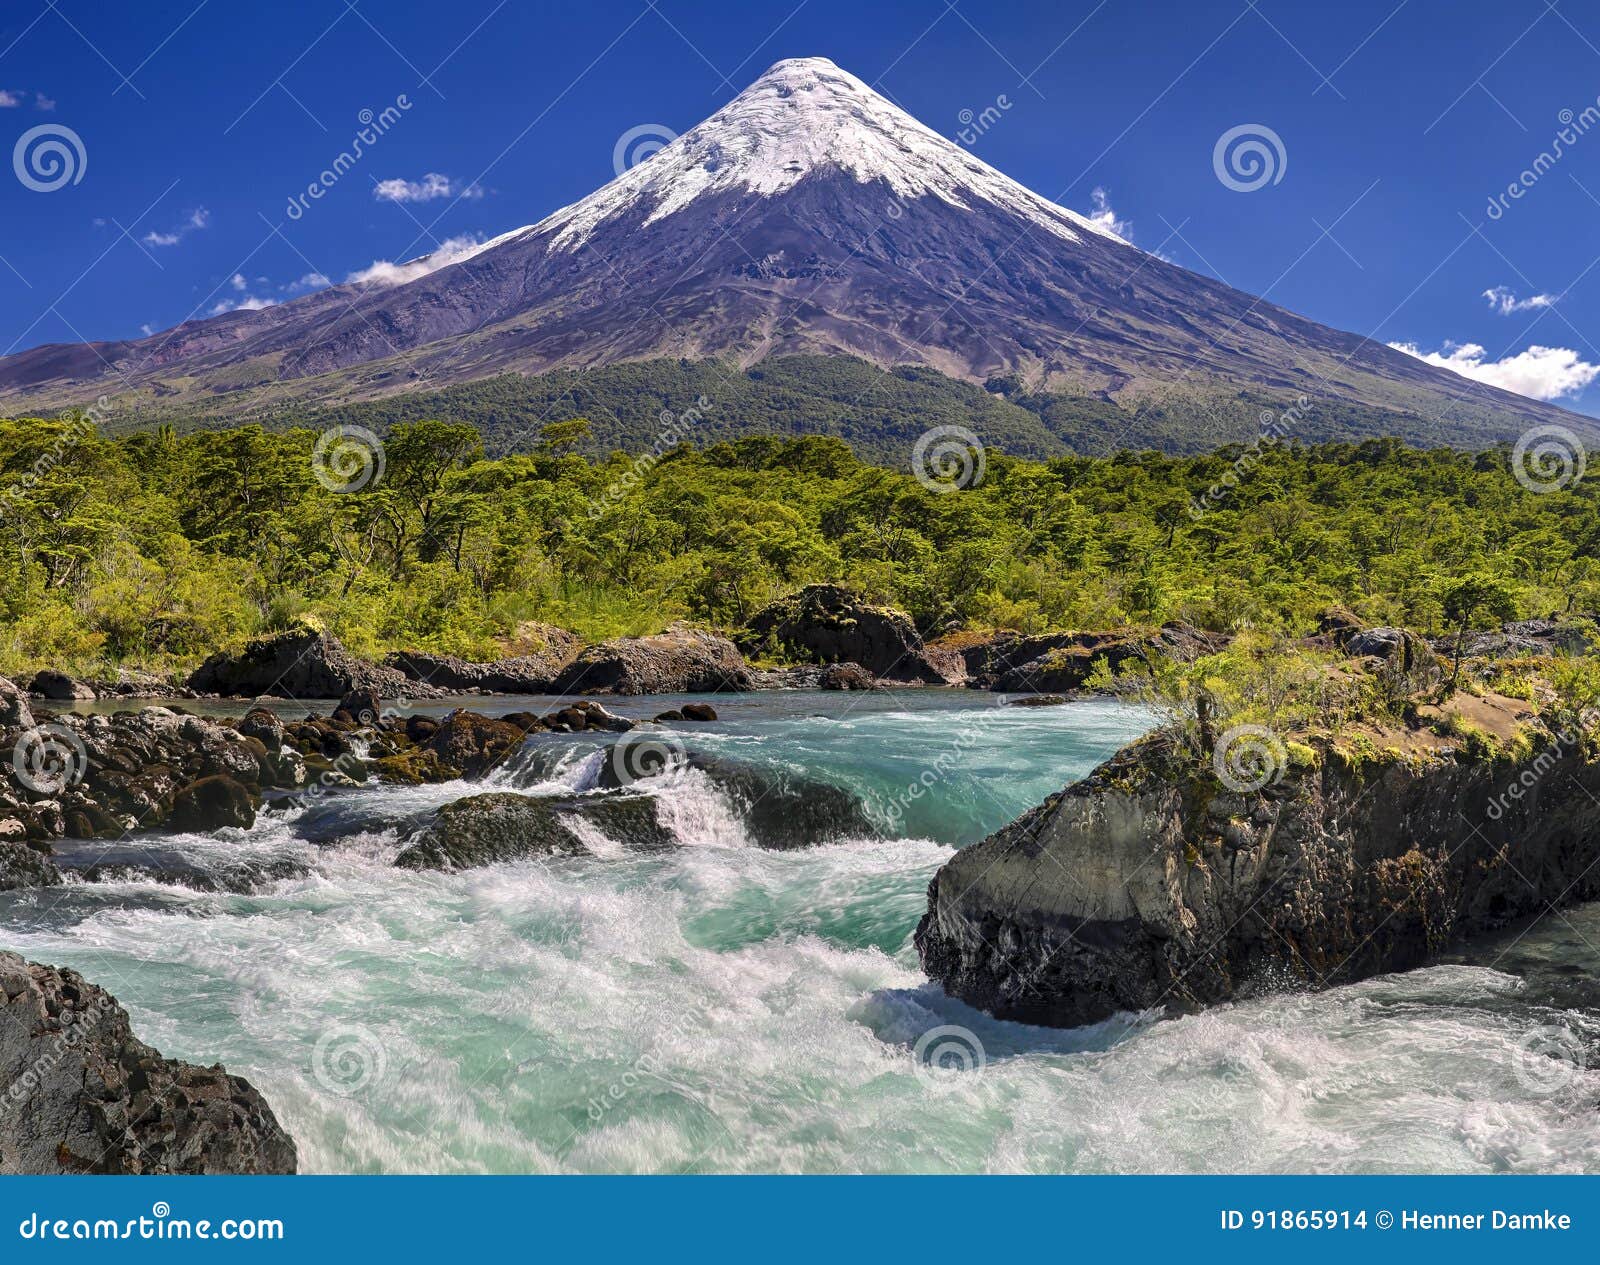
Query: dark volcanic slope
<point x="809" y="216"/>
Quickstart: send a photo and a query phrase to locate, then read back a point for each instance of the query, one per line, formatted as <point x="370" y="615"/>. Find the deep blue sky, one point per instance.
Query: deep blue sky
<point x="1400" y="120"/>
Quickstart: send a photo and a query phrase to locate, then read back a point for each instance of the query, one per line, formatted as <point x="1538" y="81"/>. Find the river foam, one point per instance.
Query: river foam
<point x="719" y="1007"/>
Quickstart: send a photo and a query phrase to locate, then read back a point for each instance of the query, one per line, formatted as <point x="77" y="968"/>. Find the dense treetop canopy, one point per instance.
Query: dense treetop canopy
<point x="156" y="548"/>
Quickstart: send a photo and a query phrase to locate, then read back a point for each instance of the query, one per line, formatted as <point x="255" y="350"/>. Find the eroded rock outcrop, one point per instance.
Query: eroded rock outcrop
<point x="84" y="1095"/>
<point x="825" y="623"/>
<point x="300" y="663"/>
<point x="1151" y="884"/>
<point x="681" y="660"/>
<point x="1010" y="662"/>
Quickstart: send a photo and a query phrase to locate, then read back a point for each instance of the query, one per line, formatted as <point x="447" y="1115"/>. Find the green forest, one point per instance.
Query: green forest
<point x="154" y="549"/>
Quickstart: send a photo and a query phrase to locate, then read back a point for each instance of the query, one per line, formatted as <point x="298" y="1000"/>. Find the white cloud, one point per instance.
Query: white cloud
<point x="9" y="100"/>
<point x="42" y="102"/>
<point x="311" y="281"/>
<point x="1103" y="216"/>
<point x="147" y="330"/>
<point x="247" y="304"/>
<point x="238" y="282"/>
<point x="196" y="219"/>
<point x="384" y="273"/>
<point x="431" y="186"/>
<point x="1543" y="373"/>
<point x="1504" y="300"/>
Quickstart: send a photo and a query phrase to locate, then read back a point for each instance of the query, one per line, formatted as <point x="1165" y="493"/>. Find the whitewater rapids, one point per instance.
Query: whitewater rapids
<point x="718" y="1007"/>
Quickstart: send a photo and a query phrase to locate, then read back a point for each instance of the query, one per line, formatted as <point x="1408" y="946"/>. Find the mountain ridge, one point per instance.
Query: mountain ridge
<point x="816" y="218"/>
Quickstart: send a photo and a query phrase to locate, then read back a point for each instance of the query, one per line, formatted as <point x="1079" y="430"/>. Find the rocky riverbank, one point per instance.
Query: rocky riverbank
<point x="1155" y="883"/>
<point x="82" y="1094"/>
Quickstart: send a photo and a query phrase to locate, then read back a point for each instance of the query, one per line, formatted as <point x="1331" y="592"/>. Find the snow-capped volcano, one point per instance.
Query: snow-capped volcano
<point x="803" y="117"/>
<point x="810" y="215"/>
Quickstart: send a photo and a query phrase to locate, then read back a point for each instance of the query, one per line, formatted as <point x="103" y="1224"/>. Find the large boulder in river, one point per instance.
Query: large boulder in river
<point x="212" y="803"/>
<point x="82" y="1094"/>
<point x="21" y="866"/>
<point x="300" y="663"/>
<point x="681" y="660"/>
<point x="824" y="623"/>
<point x="472" y="744"/>
<point x="494" y="828"/>
<point x="1167" y="880"/>
<point x="487" y="829"/>
<point x="59" y="687"/>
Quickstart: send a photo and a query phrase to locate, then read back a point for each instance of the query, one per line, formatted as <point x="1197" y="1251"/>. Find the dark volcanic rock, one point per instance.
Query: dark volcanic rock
<point x="824" y="623"/>
<point x="782" y="811"/>
<point x="1525" y="637"/>
<point x="211" y="804"/>
<point x="846" y="676"/>
<point x="474" y="744"/>
<point x="486" y="829"/>
<point x="1150" y="884"/>
<point x="84" y="1095"/>
<point x="360" y="706"/>
<point x="1055" y="663"/>
<point x="262" y="724"/>
<point x="498" y="827"/>
<point x="299" y="663"/>
<point x="14" y="710"/>
<point x="100" y="776"/>
<point x="21" y="866"/>
<point x="698" y="711"/>
<point x="682" y="660"/>
<point x="523" y="674"/>
<point x="58" y="686"/>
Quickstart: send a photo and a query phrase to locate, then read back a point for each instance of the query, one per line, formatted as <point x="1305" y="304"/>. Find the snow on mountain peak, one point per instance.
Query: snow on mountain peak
<point x="803" y="115"/>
